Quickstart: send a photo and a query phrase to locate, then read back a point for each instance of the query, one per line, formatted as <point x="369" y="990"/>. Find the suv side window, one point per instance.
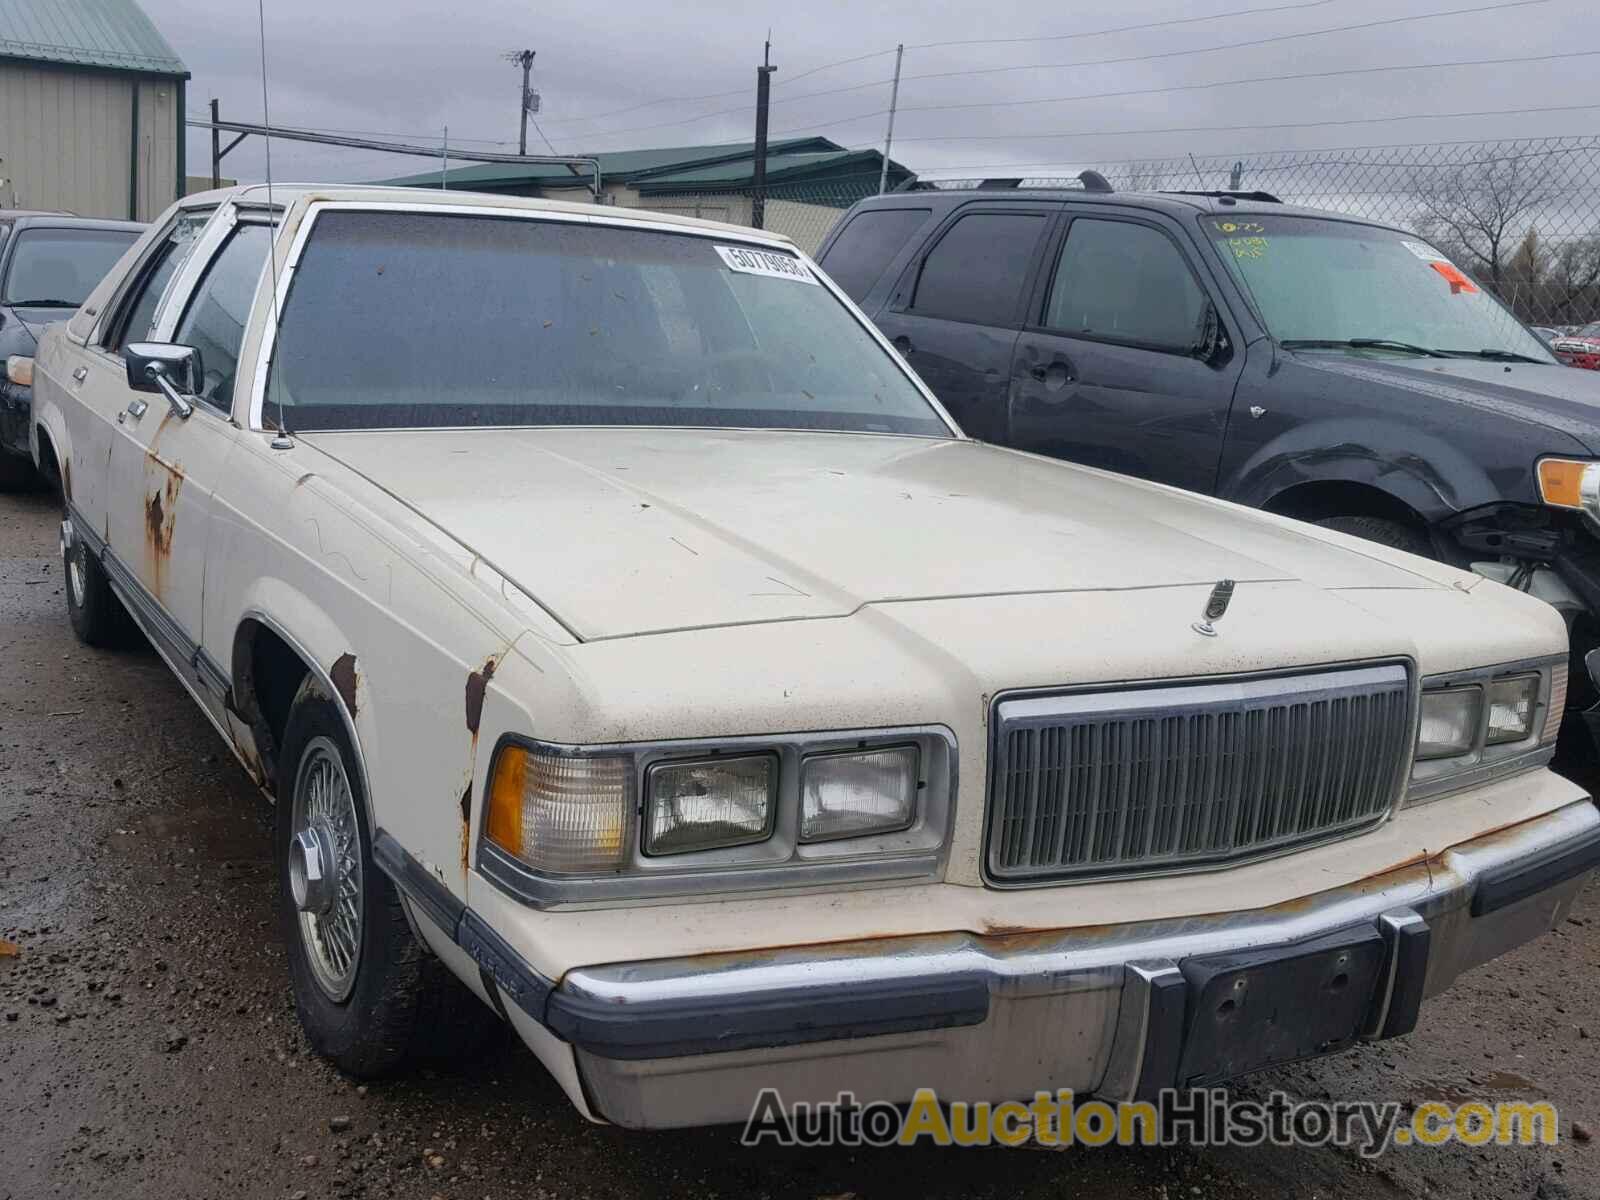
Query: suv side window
<point x="865" y="247"/>
<point x="214" y="321"/>
<point x="977" y="270"/>
<point x="140" y="307"/>
<point x="1124" y="282"/>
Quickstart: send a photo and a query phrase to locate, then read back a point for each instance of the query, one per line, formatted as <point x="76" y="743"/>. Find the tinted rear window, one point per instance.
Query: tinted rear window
<point x="865" y="247"/>
<point x="977" y="270"/>
<point x="408" y="320"/>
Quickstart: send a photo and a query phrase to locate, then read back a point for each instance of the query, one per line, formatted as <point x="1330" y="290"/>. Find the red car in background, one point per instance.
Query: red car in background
<point x="1579" y="349"/>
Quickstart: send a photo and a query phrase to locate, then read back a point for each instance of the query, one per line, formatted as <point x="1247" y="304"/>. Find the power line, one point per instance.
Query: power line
<point x="1019" y="137"/>
<point x="1094" y="62"/>
<point x="1067" y="37"/>
<point x="888" y="50"/>
<point x="1195" y="87"/>
<point x="1266" y="41"/>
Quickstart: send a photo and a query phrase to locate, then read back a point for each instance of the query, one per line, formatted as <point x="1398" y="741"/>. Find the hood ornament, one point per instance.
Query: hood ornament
<point x="1216" y="608"/>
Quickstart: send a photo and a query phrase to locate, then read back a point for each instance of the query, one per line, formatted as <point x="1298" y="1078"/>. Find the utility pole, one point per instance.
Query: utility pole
<point x="444" y="161"/>
<point x="888" y="136"/>
<point x="758" y="201"/>
<point x="216" y="147"/>
<point x="525" y="59"/>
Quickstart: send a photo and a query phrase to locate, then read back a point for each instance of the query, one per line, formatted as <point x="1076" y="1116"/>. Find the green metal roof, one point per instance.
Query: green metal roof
<point x="622" y="166"/>
<point x="114" y="34"/>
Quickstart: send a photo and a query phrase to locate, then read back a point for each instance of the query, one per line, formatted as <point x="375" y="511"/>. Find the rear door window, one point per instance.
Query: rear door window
<point x="977" y="270"/>
<point x="865" y="247"/>
<point x="1124" y="282"/>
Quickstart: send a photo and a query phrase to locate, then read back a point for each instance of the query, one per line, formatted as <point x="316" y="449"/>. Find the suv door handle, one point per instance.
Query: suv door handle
<point x="79" y="374"/>
<point x="1054" y="375"/>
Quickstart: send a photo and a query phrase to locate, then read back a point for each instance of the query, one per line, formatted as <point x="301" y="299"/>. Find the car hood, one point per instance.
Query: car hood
<point x="627" y="531"/>
<point x="34" y="320"/>
<point x="1554" y="396"/>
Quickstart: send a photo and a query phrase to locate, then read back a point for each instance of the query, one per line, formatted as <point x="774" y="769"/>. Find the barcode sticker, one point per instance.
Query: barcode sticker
<point x="751" y="261"/>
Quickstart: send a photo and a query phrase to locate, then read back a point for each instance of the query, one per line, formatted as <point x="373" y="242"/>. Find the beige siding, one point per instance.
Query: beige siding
<point x="65" y="140"/>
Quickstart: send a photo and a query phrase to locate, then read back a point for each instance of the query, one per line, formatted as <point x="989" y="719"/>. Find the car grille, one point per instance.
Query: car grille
<point x="1164" y="778"/>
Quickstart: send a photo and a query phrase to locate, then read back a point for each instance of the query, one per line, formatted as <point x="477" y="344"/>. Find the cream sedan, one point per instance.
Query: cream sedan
<point x="635" y="650"/>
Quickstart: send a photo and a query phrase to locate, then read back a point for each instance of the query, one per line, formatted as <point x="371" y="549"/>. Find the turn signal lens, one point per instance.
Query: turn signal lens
<point x="1558" y="703"/>
<point x="559" y="814"/>
<point x="1561" y="481"/>
<point x="19" y="370"/>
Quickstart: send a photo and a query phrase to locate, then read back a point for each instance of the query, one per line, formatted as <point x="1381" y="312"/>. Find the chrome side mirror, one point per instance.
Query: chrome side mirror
<point x="174" y="371"/>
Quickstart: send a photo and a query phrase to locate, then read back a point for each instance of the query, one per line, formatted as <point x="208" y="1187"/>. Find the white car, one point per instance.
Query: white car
<point x="609" y="611"/>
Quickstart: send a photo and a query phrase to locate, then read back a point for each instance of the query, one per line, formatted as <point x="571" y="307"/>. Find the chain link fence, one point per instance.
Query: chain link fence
<point x="1522" y="217"/>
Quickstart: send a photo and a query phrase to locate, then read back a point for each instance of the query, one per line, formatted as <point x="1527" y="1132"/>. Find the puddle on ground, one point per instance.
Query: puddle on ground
<point x="1462" y="1092"/>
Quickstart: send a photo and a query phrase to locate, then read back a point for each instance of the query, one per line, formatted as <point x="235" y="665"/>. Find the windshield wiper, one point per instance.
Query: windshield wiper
<point x="1358" y="344"/>
<point x="42" y="303"/>
<point x="1496" y="356"/>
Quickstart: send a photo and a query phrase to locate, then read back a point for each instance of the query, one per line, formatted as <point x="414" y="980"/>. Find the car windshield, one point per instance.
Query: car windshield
<point x="413" y="319"/>
<point x="1340" y="285"/>
<point x="58" y="267"/>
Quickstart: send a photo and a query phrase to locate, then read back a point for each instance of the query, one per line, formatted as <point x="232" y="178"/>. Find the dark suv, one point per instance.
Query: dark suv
<point x="49" y="262"/>
<point x="1308" y="363"/>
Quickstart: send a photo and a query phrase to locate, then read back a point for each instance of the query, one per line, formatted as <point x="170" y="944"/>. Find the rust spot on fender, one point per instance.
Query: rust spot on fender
<point x="477" y="684"/>
<point x="466" y="828"/>
<point x="66" y="478"/>
<point x="303" y="478"/>
<point x="345" y="678"/>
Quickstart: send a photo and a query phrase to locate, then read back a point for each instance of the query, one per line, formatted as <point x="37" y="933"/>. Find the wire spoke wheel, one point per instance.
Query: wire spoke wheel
<point x="325" y="868"/>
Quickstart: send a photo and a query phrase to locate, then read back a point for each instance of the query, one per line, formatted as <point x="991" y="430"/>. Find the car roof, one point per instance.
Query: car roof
<point x="284" y="194"/>
<point x="1176" y="204"/>
<point x="51" y="220"/>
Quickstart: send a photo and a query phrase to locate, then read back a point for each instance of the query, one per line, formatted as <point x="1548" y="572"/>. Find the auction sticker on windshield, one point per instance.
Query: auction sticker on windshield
<point x="1424" y="251"/>
<point x="765" y="262"/>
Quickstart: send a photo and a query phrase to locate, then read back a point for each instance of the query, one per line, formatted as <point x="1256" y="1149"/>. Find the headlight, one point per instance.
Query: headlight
<point x="1450" y="719"/>
<point x="558" y="814"/>
<point x="1478" y="725"/>
<point x="1570" y="483"/>
<point x="857" y="791"/>
<point x="709" y="803"/>
<point x="1511" y="703"/>
<point x="575" y="824"/>
<point x="19" y="370"/>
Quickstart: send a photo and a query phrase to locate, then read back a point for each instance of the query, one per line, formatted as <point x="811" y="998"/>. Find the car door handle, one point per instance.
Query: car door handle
<point x="79" y="374"/>
<point x="1054" y="375"/>
<point x="135" y="409"/>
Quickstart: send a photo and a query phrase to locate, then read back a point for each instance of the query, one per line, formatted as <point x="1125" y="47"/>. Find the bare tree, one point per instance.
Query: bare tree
<point x="1482" y="209"/>
<point x="1572" y="279"/>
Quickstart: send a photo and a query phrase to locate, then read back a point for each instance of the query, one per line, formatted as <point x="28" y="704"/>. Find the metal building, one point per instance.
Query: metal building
<point x="91" y="109"/>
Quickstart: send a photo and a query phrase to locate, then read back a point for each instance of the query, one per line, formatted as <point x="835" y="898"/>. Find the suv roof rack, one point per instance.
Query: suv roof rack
<point x="1263" y="197"/>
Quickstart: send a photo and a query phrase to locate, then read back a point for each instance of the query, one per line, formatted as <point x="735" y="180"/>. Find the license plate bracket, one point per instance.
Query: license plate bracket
<point x="1253" y="1009"/>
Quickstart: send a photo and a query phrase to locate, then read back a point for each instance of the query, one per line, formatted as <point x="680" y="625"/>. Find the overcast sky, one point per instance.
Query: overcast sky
<point x="402" y="69"/>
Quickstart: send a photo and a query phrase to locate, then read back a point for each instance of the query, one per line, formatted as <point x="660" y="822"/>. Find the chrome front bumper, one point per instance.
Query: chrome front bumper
<point x="1120" y="1011"/>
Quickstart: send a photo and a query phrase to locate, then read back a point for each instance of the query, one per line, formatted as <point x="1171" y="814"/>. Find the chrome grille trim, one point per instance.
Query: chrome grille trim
<point x="1172" y="777"/>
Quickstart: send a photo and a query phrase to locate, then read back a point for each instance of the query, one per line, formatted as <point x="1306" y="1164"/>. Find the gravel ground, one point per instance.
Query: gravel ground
<point x="149" y="1048"/>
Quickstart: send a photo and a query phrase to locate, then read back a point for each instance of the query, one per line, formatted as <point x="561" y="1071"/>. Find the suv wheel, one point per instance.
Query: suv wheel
<point x="1384" y="532"/>
<point x="369" y="995"/>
